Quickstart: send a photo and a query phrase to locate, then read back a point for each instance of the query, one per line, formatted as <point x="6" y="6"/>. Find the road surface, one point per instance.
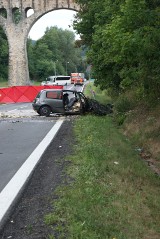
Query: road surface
<point x="18" y="140"/>
<point x="23" y="141"/>
<point x="24" y="138"/>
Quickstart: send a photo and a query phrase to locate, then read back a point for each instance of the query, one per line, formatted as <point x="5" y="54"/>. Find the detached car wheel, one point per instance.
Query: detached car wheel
<point x="45" y="111"/>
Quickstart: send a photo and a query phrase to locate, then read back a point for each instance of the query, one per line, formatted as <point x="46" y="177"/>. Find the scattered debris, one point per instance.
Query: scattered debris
<point x="98" y="108"/>
<point x="138" y="150"/>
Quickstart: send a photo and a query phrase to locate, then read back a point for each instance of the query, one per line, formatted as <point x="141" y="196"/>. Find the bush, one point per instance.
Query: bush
<point x="124" y="104"/>
<point x="120" y="118"/>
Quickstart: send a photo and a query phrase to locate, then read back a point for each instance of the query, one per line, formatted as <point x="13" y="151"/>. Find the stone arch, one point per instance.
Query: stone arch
<point x="17" y="26"/>
<point x="45" y="13"/>
<point x="27" y="9"/>
<point x="3" y="12"/>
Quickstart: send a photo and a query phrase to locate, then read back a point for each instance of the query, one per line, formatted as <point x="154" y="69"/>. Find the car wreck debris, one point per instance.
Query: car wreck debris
<point x="67" y="102"/>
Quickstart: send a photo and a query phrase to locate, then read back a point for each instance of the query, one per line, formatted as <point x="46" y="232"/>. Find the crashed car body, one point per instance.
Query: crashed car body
<point x="60" y="101"/>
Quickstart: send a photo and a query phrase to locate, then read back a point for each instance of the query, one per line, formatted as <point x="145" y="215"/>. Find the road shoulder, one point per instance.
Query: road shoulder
<point x="27" y="218"/>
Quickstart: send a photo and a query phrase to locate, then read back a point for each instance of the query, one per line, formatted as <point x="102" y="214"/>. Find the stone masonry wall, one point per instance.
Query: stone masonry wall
<point x="17" y="32"/>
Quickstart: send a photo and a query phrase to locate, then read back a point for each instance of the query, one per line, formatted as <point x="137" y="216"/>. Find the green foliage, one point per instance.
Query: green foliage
<point x="123" y="43"/>
<point x="31" y="61"/>
<point x="113" y="194"/>
<point x="54" y="50"/>
<point x="57" y="46"/>
<point x="93" y="14"/>
<point x="3" y="56"/>
<point x="123" y="104"/>
<point x="120" y="118"/>
<point x="17" y="15"/>
<point x="100" y="96"/>
<point x="3" y="12"/>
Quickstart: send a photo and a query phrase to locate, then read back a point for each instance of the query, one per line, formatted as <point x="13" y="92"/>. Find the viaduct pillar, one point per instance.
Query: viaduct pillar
<point x="16" y="24"/>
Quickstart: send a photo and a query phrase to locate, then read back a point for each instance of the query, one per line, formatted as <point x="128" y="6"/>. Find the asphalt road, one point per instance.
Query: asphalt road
<point x="18" y="140"/>
<point x="36" y="200"/>
<point x="24" y="138"/>
<point x="22" y="132"/>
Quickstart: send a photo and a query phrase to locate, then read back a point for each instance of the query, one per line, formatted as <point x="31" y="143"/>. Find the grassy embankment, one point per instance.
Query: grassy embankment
<point x="114" y="194"/>
<point x="5" y="83"/>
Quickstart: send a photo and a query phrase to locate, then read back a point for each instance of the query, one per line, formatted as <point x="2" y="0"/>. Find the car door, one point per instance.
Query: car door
<point x="54" y="99"/>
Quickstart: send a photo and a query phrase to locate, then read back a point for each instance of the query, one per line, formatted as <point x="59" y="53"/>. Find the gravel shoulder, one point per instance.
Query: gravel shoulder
<point x="27" y="218"/>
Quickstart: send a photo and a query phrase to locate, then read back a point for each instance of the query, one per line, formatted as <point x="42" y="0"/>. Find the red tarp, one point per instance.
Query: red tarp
<point x="16" y="94"/>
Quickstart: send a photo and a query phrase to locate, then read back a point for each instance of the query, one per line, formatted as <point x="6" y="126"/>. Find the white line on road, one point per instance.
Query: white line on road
<point x="16" y="184"/>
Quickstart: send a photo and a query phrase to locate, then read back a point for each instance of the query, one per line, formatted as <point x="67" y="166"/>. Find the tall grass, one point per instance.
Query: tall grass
<point x="114" y="195"/>
<point x="94" y="92"/>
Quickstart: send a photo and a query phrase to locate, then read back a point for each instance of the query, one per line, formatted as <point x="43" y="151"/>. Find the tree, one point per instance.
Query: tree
<point x="124" y="43"/>
<point x="92" y="15"/>
<point x="31" y="60"/>
<point x="3" y="56"/>
<point x="56" y="49"/>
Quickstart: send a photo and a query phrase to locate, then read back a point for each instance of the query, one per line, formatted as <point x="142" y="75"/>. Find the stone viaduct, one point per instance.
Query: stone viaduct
<point x="16" y="24"/>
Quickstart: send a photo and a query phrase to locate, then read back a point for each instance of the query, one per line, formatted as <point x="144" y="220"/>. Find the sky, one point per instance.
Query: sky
<point x="60" y="18"/>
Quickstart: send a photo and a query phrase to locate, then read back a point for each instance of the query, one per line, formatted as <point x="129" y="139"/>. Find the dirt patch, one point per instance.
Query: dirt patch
<point x="27" y="218"/>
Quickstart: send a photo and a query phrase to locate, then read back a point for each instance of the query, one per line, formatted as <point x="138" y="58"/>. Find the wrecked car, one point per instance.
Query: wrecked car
<point x="66" y="102"/>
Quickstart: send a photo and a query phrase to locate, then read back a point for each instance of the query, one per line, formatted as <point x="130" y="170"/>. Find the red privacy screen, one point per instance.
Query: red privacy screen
<point x="16" y="94"/>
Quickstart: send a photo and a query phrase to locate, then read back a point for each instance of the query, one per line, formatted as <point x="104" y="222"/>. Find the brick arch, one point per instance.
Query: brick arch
<point x="17" y="32"/>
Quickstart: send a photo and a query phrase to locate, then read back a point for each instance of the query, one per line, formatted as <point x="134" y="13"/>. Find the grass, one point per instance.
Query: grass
<point x="143" y="125"/>
<point x="114" y="194"/>
<point x="5" y="83"/>
<point x="95" y="93"/>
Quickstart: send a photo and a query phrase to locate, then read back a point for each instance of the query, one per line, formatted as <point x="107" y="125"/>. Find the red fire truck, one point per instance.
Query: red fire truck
<point x="77" y="78"/>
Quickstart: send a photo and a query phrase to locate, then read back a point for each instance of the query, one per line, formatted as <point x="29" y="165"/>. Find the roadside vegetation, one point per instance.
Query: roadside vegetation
<point x="3" y="56"/>
<point x="114" y="189"/>
<point x="122" y="44"/>
<point x="113" y="194"/>
<point x="54" y="54"/>
<point x="3" y="84"/>
<point x="122" y="38"/>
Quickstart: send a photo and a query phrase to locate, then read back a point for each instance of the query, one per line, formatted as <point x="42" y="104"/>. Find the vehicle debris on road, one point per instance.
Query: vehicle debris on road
<point x="98" y="108"/>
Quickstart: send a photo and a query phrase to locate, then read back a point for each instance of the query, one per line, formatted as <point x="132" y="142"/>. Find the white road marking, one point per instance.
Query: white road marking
<point x="17" y="183"/>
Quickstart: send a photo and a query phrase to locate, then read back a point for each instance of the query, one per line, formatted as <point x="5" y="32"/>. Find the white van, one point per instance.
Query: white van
<point x="57" y="80"/>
